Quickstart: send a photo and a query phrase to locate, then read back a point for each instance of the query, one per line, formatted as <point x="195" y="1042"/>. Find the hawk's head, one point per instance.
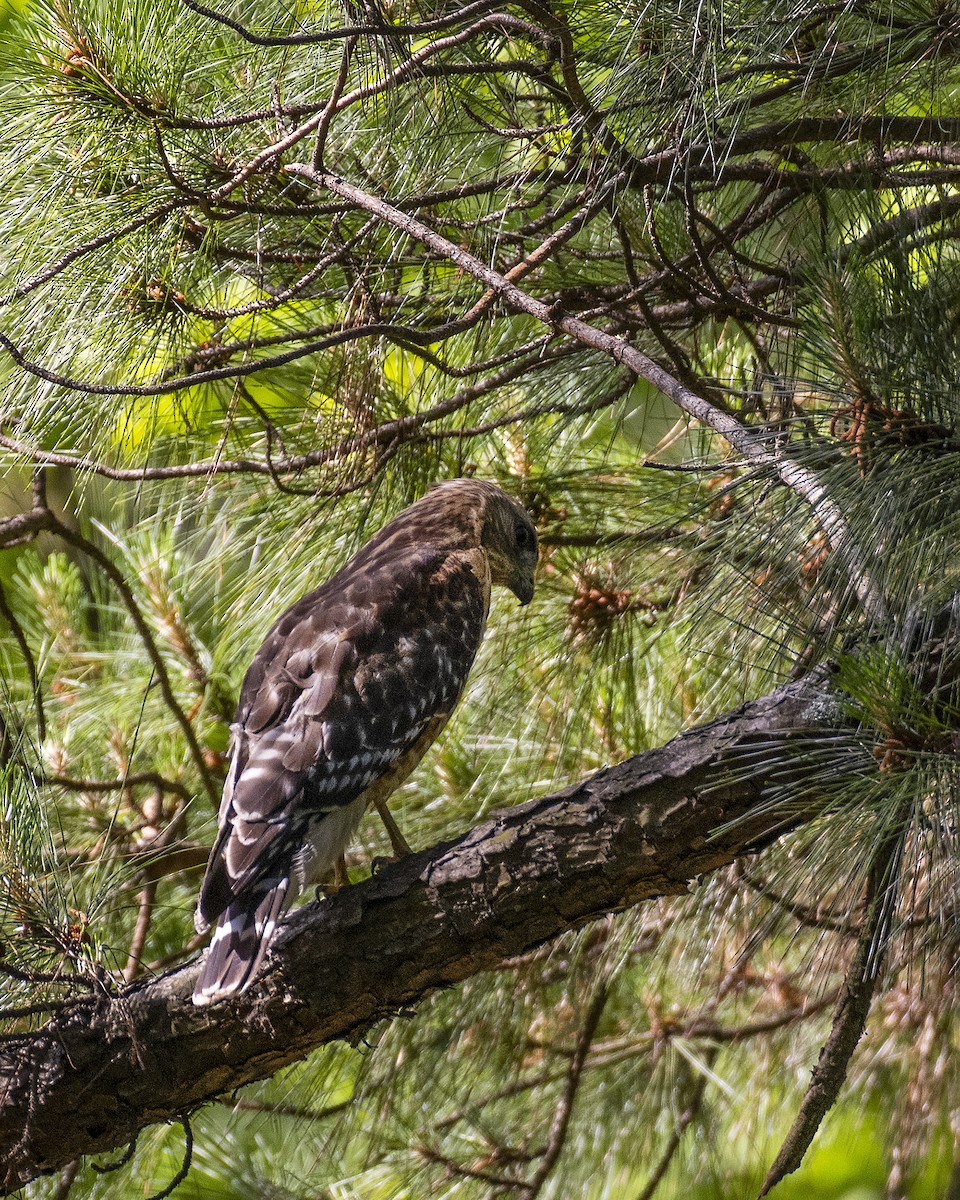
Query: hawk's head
<point x="492" y="519"/>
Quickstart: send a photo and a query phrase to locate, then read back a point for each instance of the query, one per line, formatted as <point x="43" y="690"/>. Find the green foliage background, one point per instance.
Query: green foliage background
<point x="235" y="383"/>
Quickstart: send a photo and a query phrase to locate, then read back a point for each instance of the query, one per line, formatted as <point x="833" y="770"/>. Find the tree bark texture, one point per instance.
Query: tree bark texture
<point x="99" y="1072"/>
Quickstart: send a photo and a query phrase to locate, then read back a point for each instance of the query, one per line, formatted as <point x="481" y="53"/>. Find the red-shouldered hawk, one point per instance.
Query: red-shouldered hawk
<point x="347" y="692"/>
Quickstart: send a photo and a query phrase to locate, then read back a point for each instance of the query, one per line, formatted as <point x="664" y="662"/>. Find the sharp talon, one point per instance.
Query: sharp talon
<point x="340" y="880"/>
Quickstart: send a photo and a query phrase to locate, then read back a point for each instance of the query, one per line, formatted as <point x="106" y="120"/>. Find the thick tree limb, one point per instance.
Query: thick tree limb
<point x="104" y="1068"/>
<point x="94" y="1076"/>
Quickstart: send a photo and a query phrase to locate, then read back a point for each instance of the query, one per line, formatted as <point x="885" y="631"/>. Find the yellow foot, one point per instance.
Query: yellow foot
<point x="340" y="880"/>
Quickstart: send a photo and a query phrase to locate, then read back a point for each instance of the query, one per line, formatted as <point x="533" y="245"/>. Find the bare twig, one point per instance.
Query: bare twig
<point x="67" y="1177"/>
<point x="331" y="107"/>
<point x="21" y="639"/>
<point x="134" y="779"/>
<point x="802" y="913"/>
<point x="109" y="568"/>
<point x="332" y="258"/>
<point x="561" y="1118"/>
<point x="293" y="1111"/>
<point x="96" y="243"/>
<point x="341" y="33"/>
<point x="148" y="896"/>
<point x="24" y="526"/>
<point x="687" y="1117"/>
<point x="535" y="357"/>
<point x="850" y="1019"/>
<point x="185" y="1166"/>
<point x="624" y="537"/>
<point x="125" y="1157"/>
<point x="498" y="1182"/>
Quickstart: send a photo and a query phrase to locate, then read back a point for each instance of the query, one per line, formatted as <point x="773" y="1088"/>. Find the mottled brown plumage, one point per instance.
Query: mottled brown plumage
<point x="347" y="692"/>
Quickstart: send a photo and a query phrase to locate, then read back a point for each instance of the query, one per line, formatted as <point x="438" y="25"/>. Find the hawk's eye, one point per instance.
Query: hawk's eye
<point x="524" y="536"/>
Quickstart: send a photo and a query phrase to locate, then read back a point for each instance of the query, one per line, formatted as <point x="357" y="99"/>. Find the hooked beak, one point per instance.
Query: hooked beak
<point x="523" y="590"/>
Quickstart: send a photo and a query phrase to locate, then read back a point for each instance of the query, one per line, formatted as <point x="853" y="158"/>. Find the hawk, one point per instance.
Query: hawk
<point x="351" y="686"/>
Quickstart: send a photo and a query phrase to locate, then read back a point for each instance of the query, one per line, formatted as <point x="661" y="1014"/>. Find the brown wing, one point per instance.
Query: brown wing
<point x="346" y="682"/>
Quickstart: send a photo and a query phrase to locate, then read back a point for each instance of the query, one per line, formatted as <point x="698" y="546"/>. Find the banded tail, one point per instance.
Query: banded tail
<point x="240" y="940"/>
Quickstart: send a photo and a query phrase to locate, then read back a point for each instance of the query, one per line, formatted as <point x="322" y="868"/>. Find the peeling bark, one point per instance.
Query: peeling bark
<point x="97" y="1074"/>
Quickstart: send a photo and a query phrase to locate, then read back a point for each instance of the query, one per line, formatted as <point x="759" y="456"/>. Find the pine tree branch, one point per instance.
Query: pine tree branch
<point x="96" y="243"/>
<point x="540" y="357"/>
<point x="700" y="404"/>
<point x="91" y="1078"/>
<point x="342" y="33"/>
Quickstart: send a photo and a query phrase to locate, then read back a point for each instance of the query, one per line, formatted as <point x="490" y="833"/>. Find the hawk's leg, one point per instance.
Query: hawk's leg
<point x="340" y="880"/>
<point x="397" y="840"/>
